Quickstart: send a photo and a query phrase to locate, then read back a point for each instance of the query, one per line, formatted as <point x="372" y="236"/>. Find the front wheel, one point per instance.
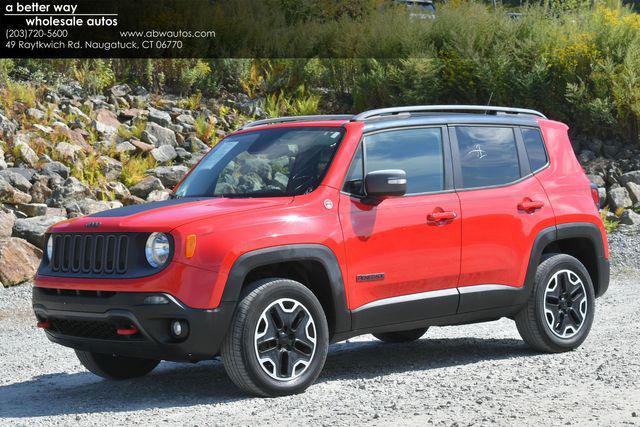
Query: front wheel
<point x="115" y="367"/>
<point x="561" y="307"/>
<point x="278" y="340"/>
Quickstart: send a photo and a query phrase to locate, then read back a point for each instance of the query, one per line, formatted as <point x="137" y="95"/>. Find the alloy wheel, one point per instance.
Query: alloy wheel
<point x="565" y="304"/>
<point x="285" y="339"/>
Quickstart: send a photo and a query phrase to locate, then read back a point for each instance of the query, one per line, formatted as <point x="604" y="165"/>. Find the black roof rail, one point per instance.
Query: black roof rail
<point x="297" y="119"/>
<point x="382" y="112"/>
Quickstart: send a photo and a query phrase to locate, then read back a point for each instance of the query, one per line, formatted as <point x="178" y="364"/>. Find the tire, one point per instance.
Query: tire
<point x="398" y="337"/>
<point x="115" y="367"/>
<point x="267" y="351"/>
<point x="561" y="308"/>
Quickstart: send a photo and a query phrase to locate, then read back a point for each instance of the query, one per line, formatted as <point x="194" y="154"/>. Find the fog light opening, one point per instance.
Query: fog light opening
<point x="179" y="329"/>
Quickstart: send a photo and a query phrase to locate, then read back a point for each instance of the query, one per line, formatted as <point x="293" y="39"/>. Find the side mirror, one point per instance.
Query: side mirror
<point x="385" y="183"/>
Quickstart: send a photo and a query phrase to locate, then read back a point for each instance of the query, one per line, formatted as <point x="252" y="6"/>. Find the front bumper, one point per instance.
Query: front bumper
<point x="88" y="320"/>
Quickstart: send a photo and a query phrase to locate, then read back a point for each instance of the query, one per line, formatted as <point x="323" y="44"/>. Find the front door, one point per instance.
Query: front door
<point x="403" y="253"/>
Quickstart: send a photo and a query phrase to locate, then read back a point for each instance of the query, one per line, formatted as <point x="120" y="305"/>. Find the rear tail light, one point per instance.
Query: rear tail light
<point x="595" y="195"/>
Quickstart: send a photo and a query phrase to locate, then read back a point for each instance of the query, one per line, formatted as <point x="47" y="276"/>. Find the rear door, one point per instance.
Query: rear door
<point x="403" y="261"/>
<point x="503" y="206"/>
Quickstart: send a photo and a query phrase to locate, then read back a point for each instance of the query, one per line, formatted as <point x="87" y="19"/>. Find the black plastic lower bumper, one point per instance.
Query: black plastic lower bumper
<point x="89" y="321"/>
<point x="604" y="271"/>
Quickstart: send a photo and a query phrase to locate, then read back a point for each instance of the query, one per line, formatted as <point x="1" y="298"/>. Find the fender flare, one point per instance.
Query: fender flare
<point x="287" y="253"/>
<point x="567" y="231"/>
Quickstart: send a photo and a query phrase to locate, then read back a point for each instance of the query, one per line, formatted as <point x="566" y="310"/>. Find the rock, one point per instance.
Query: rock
<point x="148" y="138"/>
<point x="106" y="122"/>
<point x="158" y="195"/>
<point x="56" y="212"/>
<point x="186" y="119"/>
<point x="633" y="176"/>
<point x="43" y="129"/>
<point x="183" y="154"/>
<point x="120" y="91"/>
<point x="41" y="184"/>
<point x="194" y="145"/>
<point x="160" y="117"/>
<point x="132" y="113"/>
<point x="71" y="189"/>
<point x="594" y="145"/>
<point x="71" y="90"/>
<point x="56" y="168"/>
<point x="16" y="180"/>
<point x="115" y="190"/>
<point x="169" y="175"/>
<point x="33" y="229"/>
<point x="86" y="206"/>
<point x="111" y="168"/>
<point x="7" y="127"/>
<point x="76" y="137"/>
<point x="3" y="164"/>
<point x="33" y="209"/>
<point x="629" y="217"/>
<point x="164" y="153"/>
<point x="125" y="147"/>
<point x="68" y="151"/>
<point x="10" y="195"/>
<point x="27" y="173"/>
<point x="35" y="114"/>
<point x="132" y="200"/>
<point x="163" y="136"/>
<point x="619" y="199"/>
<point x="597" y="180"/>
<point x="142" y="146"/>
<point x="19" y="261"/>
<point x="634" y="191"/>
<point x="7" y="220"/>
<point x="610" y="150"/>
<point x="24" y="151"/>
<point x="146" y="186"/>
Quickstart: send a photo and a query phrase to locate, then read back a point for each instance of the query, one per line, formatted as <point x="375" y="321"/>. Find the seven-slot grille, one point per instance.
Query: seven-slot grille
<point x="90" y="253"/>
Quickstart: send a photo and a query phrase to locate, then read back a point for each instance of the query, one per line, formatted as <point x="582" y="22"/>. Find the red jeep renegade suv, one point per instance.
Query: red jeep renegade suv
<point x="296" y="232"/>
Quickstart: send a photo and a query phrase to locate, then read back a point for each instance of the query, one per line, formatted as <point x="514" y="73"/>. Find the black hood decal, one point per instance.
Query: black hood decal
<point x="136" y="209"/>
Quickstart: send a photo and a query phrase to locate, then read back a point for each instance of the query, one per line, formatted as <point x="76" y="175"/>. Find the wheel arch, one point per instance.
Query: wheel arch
<point x="314" y="265"/>
<point x="583" y="241"/>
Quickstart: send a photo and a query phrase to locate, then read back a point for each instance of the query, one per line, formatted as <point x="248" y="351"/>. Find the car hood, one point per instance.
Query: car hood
<point x="164" y="216"/>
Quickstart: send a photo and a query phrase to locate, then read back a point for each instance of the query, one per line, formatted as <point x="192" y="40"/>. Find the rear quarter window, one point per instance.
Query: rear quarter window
<point x="535" y="148"/>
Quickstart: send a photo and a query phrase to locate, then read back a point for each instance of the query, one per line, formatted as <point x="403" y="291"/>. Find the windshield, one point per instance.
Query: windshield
<point x="265" y="163"/>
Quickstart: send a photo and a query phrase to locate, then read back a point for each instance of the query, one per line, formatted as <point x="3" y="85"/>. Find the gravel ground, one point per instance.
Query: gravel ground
<point x="477" y="374"/>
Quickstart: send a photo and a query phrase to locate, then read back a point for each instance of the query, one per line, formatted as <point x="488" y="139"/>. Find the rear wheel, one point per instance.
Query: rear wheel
<point x="115" y="367"/>
<point x="278" y="340"/>
<point x="561" y="307"/>
<point x="401" y="336"/>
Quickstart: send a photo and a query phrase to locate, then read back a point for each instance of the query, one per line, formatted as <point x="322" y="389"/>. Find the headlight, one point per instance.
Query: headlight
<point x="157" y="249"/>
<point x="50" y="247"/>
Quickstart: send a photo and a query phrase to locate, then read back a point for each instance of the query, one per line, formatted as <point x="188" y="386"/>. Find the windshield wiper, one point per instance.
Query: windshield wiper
<point x="253" y="195"/>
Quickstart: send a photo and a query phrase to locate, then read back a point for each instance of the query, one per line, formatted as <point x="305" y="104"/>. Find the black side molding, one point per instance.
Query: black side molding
<point x="287" y="253"/>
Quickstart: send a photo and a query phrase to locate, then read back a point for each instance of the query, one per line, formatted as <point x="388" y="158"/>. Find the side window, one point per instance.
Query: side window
<point x="488" y="156"/>
<point x="416" y="151"/>
<point x="534" y="145"/>
<point x="355" y="177"/>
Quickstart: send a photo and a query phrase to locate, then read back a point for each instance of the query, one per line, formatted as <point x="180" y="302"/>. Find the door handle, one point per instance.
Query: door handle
<point x="529" y="205"/>
<point x="441" y="216"/>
